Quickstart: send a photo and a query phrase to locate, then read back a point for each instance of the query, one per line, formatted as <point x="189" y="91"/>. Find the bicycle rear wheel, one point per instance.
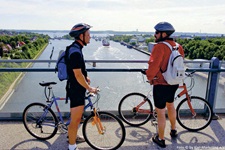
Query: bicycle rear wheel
<point x="112" y="137"/>
<point x="128" y="112"/>
<point x="40" y="122"/>
<point x="203" y="115"/>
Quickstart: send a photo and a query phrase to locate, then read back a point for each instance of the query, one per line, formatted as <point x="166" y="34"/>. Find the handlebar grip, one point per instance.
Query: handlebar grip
<point x="190" y="74"/>
<point x="143" y="71"/>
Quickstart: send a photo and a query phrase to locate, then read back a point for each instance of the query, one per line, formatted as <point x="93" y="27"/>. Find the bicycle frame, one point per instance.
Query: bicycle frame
<point x="137" y="108"/>
<point x="60" y="119"/>
<point x="54" y="101"/>
<point x="193" y="112"/>
<point x="43" y="123"/>
<point x="185" y="92"/>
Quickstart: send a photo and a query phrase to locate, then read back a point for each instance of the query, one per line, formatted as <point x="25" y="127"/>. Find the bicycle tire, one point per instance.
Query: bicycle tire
<point x="203" y="114"/>
<point x="43" y="129"/>
<point x="127" y="112"/>
<point x="113" y="136"/>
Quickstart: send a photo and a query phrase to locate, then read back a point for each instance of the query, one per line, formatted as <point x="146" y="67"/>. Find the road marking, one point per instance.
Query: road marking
<point x="6" y="100"/>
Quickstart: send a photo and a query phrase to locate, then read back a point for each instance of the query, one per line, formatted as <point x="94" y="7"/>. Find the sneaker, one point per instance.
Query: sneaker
<point x="173" y="133"/>
<point x="76" y="148"/>
<point x="160" y="143"/>
<point x="79" y="139"/>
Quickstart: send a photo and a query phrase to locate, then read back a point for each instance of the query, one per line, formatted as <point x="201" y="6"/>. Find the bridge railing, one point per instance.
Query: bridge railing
<point x="214" y="70"/>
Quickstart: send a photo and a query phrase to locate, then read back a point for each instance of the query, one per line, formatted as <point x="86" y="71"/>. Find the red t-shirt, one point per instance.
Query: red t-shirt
<point x="158" y="61"/>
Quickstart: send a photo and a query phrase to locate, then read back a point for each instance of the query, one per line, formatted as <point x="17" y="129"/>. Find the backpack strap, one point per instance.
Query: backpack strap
<point x="67" y="55"/>
<point x="171" y="48"/>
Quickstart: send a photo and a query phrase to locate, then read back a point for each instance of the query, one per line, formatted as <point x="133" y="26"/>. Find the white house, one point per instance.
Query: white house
<point x="150" y="46"/>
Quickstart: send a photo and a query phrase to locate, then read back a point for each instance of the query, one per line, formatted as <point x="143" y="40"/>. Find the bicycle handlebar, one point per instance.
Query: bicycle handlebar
<point x="143" y="71"/>
<point x="190" y="74"/>
<point x="91" y="93"/>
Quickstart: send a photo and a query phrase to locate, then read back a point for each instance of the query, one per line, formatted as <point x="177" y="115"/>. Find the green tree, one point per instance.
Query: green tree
<point x="1" y="51"/>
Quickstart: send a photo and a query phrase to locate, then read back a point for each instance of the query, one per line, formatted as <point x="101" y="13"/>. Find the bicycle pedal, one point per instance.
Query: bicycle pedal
<point x="62" y="128"/>
<point x="154" y="122"/>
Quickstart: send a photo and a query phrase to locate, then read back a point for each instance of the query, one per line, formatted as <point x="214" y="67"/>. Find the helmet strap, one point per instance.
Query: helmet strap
<point x="78" y="38"/>
<point x="84" y="39"/>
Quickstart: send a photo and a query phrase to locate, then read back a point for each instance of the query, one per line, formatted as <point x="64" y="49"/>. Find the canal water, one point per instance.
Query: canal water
<point x="113" y="85"/>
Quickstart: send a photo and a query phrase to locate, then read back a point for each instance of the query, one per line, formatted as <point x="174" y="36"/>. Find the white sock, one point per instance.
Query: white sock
<point x="72" y="147"/>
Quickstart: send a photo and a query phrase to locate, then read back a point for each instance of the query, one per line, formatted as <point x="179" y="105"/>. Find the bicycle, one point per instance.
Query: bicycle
<point x="193" y="113"/>
<point x="101" y="130"/>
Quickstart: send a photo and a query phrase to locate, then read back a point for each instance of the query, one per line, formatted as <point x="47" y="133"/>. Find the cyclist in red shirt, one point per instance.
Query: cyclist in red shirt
<point x="163" y="93"/>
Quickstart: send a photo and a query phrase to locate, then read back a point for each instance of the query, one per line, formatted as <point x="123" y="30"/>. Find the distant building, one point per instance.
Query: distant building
<point x="140" y="39"/>
<point x="133" y="40"/>
<point x="150" y="46"/>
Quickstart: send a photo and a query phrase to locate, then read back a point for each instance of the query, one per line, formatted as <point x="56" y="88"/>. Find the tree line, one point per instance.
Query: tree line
<point x="18" y="46"/>
<point x="195" y="48"/>
<point x="198" y="48"/>
<point x="22" y="46"/>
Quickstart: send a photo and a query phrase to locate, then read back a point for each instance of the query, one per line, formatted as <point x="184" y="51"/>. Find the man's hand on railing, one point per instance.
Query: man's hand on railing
<point x="143" y="71"/>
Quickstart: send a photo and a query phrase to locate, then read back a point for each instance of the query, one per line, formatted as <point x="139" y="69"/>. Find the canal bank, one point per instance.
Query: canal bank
<point x="13" y="85"/>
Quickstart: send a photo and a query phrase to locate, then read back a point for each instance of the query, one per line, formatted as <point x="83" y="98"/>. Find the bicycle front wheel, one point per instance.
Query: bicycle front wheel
<point x="113" y="134"/>
<point x="39" y="121"/>
<point x="198" y="121"/>
<point x="135" y="109"/>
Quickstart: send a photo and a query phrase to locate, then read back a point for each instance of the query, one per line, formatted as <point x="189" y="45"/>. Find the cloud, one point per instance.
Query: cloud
<point x="125" y="15"/>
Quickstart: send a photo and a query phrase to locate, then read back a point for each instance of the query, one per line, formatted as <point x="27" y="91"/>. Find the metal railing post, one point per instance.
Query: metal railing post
<point x="213" y="79"/>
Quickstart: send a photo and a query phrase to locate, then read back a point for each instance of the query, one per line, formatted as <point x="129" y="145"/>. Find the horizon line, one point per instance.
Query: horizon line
<point x="49" y="30"/>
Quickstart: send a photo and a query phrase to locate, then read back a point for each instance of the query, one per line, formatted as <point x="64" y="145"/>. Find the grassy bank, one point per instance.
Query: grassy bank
<point x="9" y="80"/>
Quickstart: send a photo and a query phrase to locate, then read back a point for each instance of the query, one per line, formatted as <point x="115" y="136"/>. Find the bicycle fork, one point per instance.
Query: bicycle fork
<point x="190" y="106"/>
<point x="184" y="91"/>
<point x="96" y="121"/>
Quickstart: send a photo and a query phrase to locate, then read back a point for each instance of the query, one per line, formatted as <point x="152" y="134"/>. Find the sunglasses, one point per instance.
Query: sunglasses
<point x="157" y="32"/>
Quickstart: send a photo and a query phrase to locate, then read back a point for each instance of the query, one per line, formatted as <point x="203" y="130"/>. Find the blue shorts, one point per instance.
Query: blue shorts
<point x="163" y="94"/>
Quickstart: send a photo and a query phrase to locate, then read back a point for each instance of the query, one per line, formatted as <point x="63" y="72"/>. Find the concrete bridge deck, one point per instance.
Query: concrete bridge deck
<point x="13" y="136"/>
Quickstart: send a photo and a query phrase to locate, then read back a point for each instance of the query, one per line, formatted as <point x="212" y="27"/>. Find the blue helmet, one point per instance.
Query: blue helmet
<point x="79" y="29"/>
<point x="165" y="27"/>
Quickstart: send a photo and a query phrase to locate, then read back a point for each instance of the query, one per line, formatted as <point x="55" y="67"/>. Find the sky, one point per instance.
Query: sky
<point x="203" y="16"/>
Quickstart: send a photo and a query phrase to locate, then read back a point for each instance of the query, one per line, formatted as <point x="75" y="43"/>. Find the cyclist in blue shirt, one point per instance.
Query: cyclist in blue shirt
<point x="78" y="81"/>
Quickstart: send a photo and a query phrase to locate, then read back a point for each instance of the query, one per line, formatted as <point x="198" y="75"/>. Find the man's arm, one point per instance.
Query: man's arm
<point x="154" y="62"/>
<point x="81" y="79"/>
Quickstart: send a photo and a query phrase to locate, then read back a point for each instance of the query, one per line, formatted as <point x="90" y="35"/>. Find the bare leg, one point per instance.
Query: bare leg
<point x="76" y="114"/>
<point x="172" y="114"/>
<point x="161" y="117"/>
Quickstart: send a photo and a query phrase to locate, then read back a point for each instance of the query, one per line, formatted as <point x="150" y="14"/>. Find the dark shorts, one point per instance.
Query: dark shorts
<point x="163" y="94"/>
<point x="77" y="97"/>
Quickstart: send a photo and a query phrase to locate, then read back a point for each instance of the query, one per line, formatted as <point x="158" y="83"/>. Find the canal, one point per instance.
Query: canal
<point x="113" y="85"/>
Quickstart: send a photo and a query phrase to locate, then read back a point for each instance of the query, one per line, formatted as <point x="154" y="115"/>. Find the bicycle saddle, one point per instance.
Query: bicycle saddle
<point x="47" y="83"/>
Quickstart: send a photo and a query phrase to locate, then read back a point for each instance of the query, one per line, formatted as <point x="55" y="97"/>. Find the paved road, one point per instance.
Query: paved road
<point x="13" y="136"/>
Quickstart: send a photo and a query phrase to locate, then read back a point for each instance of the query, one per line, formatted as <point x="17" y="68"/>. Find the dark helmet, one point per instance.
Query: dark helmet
<point x="165" y="27"/>
<point x="79" y="29"/>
